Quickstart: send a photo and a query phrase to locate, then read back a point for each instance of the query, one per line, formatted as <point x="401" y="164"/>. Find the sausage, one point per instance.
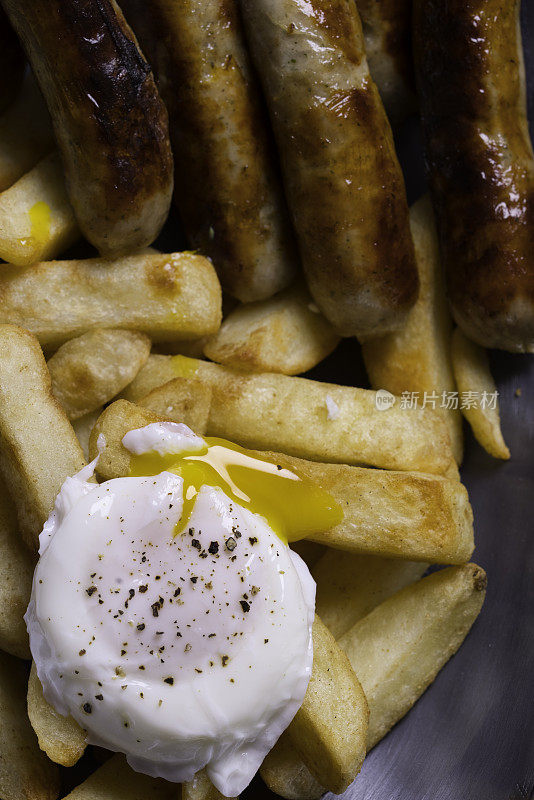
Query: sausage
<point x="230" y="198"/>
<point x="470" y="74"/>
<point x="12" y="63"/>
<point x="387" y="31"/>
<point x="109" y="121"/>
<point x="343" y="182"/>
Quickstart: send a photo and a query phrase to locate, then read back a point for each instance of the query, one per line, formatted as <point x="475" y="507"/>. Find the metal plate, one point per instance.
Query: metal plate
<point x="471" y="735"/>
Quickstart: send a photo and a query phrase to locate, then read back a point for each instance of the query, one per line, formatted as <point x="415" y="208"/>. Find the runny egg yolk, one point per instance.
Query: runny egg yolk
<point x="40" y="216"/>
<point x="294" y="507"/>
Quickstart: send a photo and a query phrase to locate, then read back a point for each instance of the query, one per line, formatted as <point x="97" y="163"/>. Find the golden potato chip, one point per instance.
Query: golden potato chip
<point x="286" y="333"/>
<point x="349" y="586"/>
<point x="174" y="296"/>
<point x="25" y="772"/>
<point x="181" y="400"/>
<point x="310" y="419"/>
<point x="201" y="788"/>
<point x="61" y="738"/>
<point x="15" y="581"/>
<point x="37" y="221"/>
<point x="417" y="357"/>
<point x="38" y="447"/>
<point x="89" y="371"/>
<point x="115" y="780"/>
<point x="393" y="514"/>
<point x="478" y="394"/>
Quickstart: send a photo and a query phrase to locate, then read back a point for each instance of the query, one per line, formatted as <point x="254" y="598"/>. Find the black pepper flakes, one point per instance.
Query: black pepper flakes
<point x="230" y="544"/>
<point x="143" y="588"/>
<point x="244" y="605"/>
<point x="213" y="548"/>
<point x="91" y="590"/>
<point x="82" y="652"/>
<point x="253" y="540"/>
<point x="141" y="626"/>
<point x="170" y="681"/>
<point x="87" y="707"/>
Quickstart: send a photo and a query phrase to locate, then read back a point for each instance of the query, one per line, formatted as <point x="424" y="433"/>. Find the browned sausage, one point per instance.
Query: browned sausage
<point x="343" y="182"/>
<point x="12" y="63"/>
<point x="109" y="120"/>
<point x="229" y="197"/>
<point x="387" y="30"/>
<point x="479" y="157"/>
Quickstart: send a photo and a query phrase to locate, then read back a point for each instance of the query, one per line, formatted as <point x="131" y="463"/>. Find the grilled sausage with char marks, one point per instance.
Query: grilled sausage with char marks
<point x="110" y="123"/>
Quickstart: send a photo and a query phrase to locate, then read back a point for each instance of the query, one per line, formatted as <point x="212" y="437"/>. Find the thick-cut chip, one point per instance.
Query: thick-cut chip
<point x="25" y="772"/>
<point x="478" y="394"/>
<point x="15" y="581"/>
<point x="38" y="447"/>
<point x="89" y="371"/>
<point x="115" y="780"/>
<point x="391" y="514"/>
<point x="83" y="427"/>
<point x="350" y="586"/>
<point x="201" y="788"/>
<point x="60" y="737"/>
<point x="114" y="422"/>
<point x="175" y="296"/>
<point x="36" y="218"/>
<point x="417" y="357"/>
<point x="286" y="775"/>
<point x="286" y="334"/>
<point x="26" y="133"/>
<point x="329" y="730"/>
<point x="397" y="650"/>
<point x="181" y="400"/>
<point x="320" y="421"/>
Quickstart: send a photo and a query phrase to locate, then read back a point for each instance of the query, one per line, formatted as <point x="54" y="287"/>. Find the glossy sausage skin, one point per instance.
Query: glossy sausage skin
<point x="12" y="63"/>
<point x="387" y="31"/>
<point x="110" y="123"/>
<point x="479" y="158"/>
<point x="228" y="190"/>
<point x="343" y="182"/>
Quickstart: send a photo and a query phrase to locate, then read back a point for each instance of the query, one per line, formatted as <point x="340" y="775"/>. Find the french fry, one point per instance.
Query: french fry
<point x="115" y="780"/>
<point x="175" y="296"/>
<point x="60" y="737"/>
<point x="181" y="400"/>
<point x="89" y="371"/>
<point x="36" y="218"/>
<point x="38" y="447"/>
<point x="286" y="775"/>
<point x="473" y="376"/>
<point x="25" y="772"/>
<point x="350" y="586"/>
<point x="25" y="133"/>
<point x="83" y="427"/>
<point x="16" y="582"/>
<point x="417" y="357"/>
<point x="329" y="730"/>
<point x="201" y="788"/>
<point x="285" y="333"/>
<point x="397" y="650"/>
<point x="392" y="514"/>
<point x="319" y="421"/>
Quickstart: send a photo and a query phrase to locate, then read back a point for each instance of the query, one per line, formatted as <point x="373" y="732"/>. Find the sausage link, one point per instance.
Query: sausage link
<point x="109" y="120"/>
<point x="343" y="181"/>
<point x="387" y="31"/>
<point x="229" y="194"/>
<point x="471" y="80"/>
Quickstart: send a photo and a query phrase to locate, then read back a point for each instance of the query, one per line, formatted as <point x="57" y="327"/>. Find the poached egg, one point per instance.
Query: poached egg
<point x="168" y="615"/>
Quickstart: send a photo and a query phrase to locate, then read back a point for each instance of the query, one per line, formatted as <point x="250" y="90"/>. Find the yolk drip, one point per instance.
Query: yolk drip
<point x="40" y="221"/>
<point x="294" y="507"/>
